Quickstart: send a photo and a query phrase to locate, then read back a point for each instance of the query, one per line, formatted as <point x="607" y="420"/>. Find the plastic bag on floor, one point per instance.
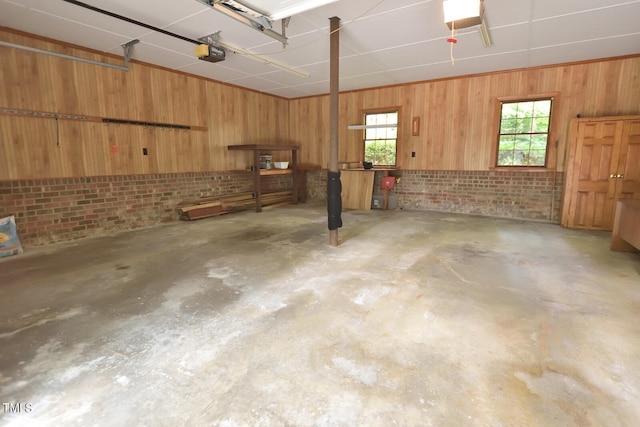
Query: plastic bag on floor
<point x="9" y="240"/>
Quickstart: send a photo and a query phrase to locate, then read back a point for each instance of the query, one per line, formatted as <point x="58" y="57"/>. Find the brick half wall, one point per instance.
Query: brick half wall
<point x="510" y="194"/>
<point x="62" y="209"/>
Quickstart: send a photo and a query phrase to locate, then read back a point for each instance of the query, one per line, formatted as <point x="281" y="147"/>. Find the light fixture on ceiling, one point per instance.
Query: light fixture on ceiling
<point x="467" y="13"/>
<point x="484" y="33"/>
<point x="298" y="7"/>
<point x="359" y="127"/>
<point x="247" y="16"/>
<point x="464" y="13"/>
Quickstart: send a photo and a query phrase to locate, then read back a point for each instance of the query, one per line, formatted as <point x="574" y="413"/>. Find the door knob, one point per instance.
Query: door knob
<point x="620" y="176"/>
<point x="613" y="175"/>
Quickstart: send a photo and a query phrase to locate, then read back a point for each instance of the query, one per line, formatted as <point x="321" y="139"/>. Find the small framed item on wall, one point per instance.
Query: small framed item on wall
<point x="415" y="126"/>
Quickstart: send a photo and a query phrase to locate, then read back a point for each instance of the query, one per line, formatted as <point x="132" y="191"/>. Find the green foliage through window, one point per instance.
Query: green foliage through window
<point x="524" y="133"/>
<point x="380" y="143"/>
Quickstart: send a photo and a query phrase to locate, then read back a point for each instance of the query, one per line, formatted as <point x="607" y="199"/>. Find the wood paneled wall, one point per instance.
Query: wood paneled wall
<point x="43" y="147"/>
<point x="458" y="117"/>
<point x="458" y="121"/>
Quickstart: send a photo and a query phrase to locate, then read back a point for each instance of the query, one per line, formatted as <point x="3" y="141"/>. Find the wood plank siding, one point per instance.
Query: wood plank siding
<point x="457" y="115"/>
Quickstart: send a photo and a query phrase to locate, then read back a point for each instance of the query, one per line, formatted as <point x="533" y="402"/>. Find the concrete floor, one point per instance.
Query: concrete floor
<point x="417" y="319"/>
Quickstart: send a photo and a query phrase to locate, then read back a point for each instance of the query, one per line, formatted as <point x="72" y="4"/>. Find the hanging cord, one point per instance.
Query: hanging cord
<point x="452" y="40"/>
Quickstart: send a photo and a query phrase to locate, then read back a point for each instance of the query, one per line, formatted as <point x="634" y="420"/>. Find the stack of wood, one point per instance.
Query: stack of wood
<point x="205" y="207"/>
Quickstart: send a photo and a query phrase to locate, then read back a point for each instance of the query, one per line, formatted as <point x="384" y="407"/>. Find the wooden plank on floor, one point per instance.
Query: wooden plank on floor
<point x="357" y="188"/>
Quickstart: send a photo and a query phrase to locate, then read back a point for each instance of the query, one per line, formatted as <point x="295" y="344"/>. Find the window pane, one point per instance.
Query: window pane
<point x="543" y="108"/>
<point x="525" y="109"/>
<point x="537" y="157"/>
<point x="521" y="157"/>
<point x="523" y="142"/>
<point x="541" y="124"/>
<point x="509" y="110"/>
<point x="388" y="153"/>
<point x="505" y="158"/>
<point x="524" y="125"/>
<point x="508" y="125"/>
<point x="539" y="142"/>
<point x="369" y="151"/>
<point x="507" y="142"/>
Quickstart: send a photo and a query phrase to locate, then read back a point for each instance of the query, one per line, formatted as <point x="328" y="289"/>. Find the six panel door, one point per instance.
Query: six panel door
<point x="594" y="174"/>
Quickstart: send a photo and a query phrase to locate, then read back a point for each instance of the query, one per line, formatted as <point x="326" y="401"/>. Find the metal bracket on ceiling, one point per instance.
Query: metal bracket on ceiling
<point x="128" y="50"/>
<point x="285" y="24"/>
<point x="211" y="39"/>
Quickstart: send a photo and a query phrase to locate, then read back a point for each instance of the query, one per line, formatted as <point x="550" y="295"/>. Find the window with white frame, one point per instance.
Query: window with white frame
<point x="381" y="138"/>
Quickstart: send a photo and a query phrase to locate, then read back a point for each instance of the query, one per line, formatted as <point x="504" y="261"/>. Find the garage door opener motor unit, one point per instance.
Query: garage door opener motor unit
<point x="210" y="53"/>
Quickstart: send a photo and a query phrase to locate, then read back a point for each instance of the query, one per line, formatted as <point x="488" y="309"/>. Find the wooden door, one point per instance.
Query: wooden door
<point x="628" y="173"/>
<point x="592" y="175"/>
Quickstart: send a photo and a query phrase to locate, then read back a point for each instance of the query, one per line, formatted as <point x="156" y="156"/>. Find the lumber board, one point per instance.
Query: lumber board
<point x="209" y="206"/>
<point x="357" y="188"/>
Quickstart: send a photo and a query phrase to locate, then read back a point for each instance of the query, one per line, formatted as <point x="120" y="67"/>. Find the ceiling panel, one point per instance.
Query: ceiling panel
<point x="589" y="25"/>
<point x="543" y="9"/>
<point x="289" y="92"/>
<point x="256" y="83"/>
<point x="218" y="71"/>
<point x="578" y="51"/>
<point x="210" y="21"/>
<point x="160" y="56"/>
<point x="371" y="80"/>
<point x="357" y="65"/>
<point x="500" y="13"/>
<point x="158" y="13"/>
<point x="395" y="28"/>
<point x="381" y="42"/>
<point x="462" y="67"/>
<point x="162" y="41"/>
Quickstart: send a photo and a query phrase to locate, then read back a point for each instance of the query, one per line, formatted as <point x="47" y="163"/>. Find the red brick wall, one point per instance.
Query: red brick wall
<point x="53" y="210"/>
<point x="61" y="209"/>
<point x="517" y="194"/>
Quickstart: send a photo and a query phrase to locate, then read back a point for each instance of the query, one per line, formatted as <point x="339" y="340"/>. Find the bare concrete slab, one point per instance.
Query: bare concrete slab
<point x="416" y="319"/>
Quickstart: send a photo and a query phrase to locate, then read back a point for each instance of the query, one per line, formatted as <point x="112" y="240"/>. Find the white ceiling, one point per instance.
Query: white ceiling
<point x="381" y="42"/>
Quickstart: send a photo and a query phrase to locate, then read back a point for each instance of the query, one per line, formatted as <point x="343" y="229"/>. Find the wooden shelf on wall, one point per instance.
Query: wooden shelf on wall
<point x="276" y="171"/>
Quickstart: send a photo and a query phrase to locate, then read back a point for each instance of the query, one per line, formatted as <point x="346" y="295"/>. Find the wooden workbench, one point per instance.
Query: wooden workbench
<point x="257" y="172"/>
